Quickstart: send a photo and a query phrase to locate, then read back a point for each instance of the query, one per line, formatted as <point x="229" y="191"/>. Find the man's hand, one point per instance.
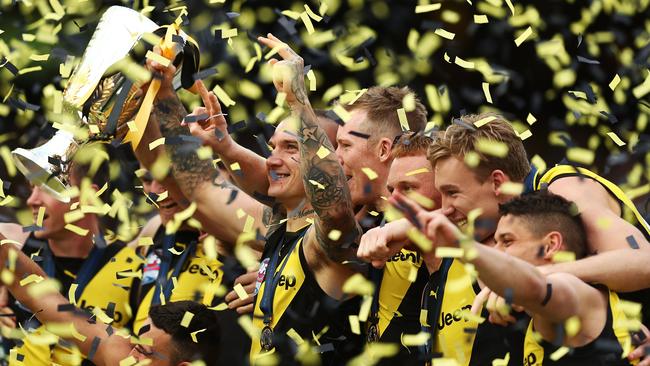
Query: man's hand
<point x="497" y="307"/>
<point x="212" y="129"/>
<point x="435" y="225"/>
<point x="377" y="246"/>
<point x="642" y="352"/>
<point x="244" y="306"/>
<point x="288" y="74"/>
<point x="164" y="73"/>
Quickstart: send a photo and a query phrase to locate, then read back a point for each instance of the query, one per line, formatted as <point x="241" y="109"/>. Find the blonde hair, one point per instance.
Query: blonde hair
<point x="381" y="104"/>
<point x="461" y="137"/>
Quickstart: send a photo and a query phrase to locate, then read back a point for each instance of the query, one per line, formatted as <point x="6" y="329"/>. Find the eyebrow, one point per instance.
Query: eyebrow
<point x="448" y="186"/>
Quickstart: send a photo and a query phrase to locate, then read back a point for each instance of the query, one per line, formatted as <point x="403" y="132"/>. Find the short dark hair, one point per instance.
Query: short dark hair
<point x="544" y="212"/>
<point x="168" y="317"/>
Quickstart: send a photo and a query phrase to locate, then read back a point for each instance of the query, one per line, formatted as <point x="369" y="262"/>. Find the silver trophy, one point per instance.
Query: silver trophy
<point x="101" y="96"/>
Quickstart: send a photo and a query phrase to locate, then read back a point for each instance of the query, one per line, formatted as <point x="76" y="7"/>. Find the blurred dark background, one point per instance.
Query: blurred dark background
<point x="559" y="75"/>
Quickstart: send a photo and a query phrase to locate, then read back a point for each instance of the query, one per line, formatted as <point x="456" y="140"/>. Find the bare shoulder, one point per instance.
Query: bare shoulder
<point x="13" y="231"/>
<point x="584" y="192"/>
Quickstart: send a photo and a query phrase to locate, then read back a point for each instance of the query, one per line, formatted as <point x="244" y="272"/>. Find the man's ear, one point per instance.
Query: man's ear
<point x="384" y="147"/>
<point x="497" y="178"/>
<point x="553" y="243"/>
<point x="184" y="363"/>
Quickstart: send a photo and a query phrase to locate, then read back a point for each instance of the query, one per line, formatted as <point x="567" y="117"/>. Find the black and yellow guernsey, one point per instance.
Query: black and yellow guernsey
<point x="609" y="349"/>
<point x="294" y="309"/>
<point x="449" y="294"/>
<point x="191" y="275"/>
<point x="629" y="213"/>
<point x="396" y="304"/>
<point x="107" y="279"/>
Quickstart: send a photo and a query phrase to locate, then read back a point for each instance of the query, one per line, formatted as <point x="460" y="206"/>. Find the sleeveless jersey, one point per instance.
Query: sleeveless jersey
<point x="301" y="309"/>
<point x="404" y="278"/>
<point x="464" y="340"/>
<point x="610" y="348"/>
<point x="629" y="213"/>
<point x="110" y="289"/>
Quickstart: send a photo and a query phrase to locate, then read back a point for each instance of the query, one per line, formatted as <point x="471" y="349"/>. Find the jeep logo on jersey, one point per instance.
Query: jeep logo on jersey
<point x="447" y="319"/>
<point x="116" y="315"/>
<point x="287" y="281"/>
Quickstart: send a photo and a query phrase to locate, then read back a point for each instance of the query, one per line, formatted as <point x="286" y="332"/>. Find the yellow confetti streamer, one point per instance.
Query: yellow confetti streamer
<point x="617" y="140"/>
<point x="403" y="121"/>
<point x="76" y="229"/>
<point x="564" y="256"/>
<point x="483" y="121"/>
<point x="559" y="353"/>
<point x="323" y="152"/>
<point x="580" y="155"/>
<point x="311" y="14"/>
<point x="341" y="112"/>
<point x="312" y="79"/>
<point x="354" y="324"/>
<point x="511" y="7"/>
<point x="187" y="319"/>
<point x="372" y="175"/>
<point x="39" y="217"/>
<point x="463" y="63"/>
<point x="480" y="19"/>
<point x="307" y="22"/>
<point x="530" y="119"/>
<point x="293" y="334"/>
<point x="415" y="339"/>
<point x="494" y="148"/>
<point x="427" y="8"/>
<point x="615" y="81"/>
<point x="193" y="335"/>
<point x="486" y="91"/>
<point x="158" y="58"/>
<point x="358" y="284"/>
<point x="239" y="289"/>
<point x="418" y="171"/>
<point x="511" y="188"/>
<point x="32" y="278"/>
<point x="157" y="142"/>
<point x="523" y="36"/>
<point x="446" y="252"/>
<point x="71" y="294"/>
<point x="223" y="96"/>
<point x="643" y="88"/>
<point x="445" y="34"/>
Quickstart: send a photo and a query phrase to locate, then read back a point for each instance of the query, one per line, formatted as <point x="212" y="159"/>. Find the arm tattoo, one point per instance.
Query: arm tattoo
<point x="327" y="189"/>
<point x="188" y="170"/>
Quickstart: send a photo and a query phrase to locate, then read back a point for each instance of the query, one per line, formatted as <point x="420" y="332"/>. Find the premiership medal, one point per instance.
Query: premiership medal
<point x="266" y="338"/>
<point x="373" y="331"/>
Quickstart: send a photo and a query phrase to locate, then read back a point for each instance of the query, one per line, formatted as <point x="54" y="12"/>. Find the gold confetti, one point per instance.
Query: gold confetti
<point x="307" y="22"/>
<point x="524" y="135"/>
<point x="157" y="142"/>
<point x="415" y="339"/>
<point x="483" y="121"/>
<point x="323" y="152"/>
<point x="615" y="81"/>
<point x="293" y="334"/>
<point x="76" y="229"/>
<point x="162" y="60"/>
<point x="480" y="19"/>
<point x="511" y="188"/>
<point x="312" y="79"/>
<point x="71" y="294"/>
<point x="486" y="91"/>
<point x="341" y="112"/>
<point x="463" y="63"/>
<point x="187" y="319"/>
<point x="417" y="171"/>
<point x="445" y="34"/>
<point x="446" y="252"/>
<point x="40" y="216"/>
<point x="472" y="159"/>
<point x="354" y="324"/>
<point x="523" y="36"/>
<point x="617" y="140"/>
<point x="494" y="148"/>
<point x="241" y="292"/>
<point x="559" y="353"/>
<point x="358" y="284"/>
<point x="193" y="335"/>
<point x="580" y="155"/>
<point x="403" y="121"/>
<point x="371" y="174"/>
<point x="32" y="278"/>
<point x="643" y="88"/>
<point x="427" y="8"/>
<point x="223" y="96"/>
<point x="572" y="326"/>
<point x="564" y="256"/>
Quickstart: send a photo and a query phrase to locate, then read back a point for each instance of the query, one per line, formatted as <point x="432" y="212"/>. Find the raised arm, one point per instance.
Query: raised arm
<point x="197" y="180"/>
<point x="212" y="129"/>
<point x="325" y="184"/>
<point x="47" y="309"/>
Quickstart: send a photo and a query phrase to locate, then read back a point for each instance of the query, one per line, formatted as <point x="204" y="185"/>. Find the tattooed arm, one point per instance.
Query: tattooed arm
<point x="325" y="184"/>
<point x="192" y="179"/>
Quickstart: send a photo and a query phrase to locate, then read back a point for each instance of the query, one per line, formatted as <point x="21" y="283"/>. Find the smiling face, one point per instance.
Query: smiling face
<point x="356" y="153"/>
<point x="461" y="192"/>
<point x="514" y="236"/>
<point x="160" y="353"/>
<point x="413" y="174"/>
<point x="283" y="167"/>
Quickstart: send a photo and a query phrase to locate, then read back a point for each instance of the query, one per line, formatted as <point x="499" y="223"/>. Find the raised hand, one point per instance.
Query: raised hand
<point x="212" y="129"/>
<point x="497" y="307"/>
<point x="164" y="73"/>
<point x="433" y="224"/>
<point x="288" y="74"/>
<point x="379" y="244"/>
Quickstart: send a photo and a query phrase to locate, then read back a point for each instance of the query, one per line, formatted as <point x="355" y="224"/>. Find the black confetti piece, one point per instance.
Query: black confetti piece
<point x="289" y="25"/>
<point x="237" y="126"/>
<point x="203" y="74"/>
<point x="508" y="295"/>
<point x="233" y="195"/>
<point x="631" y="241"/>
<point x="32" y="228"/>
<point x="261" y="116"/>
<point x="177" y="39"/>
<point x="360" y="134"/>
<point x="588" y="61"/>
<point x="9" y="66"/>
<point x="93" y="348"/>
<point x="264" y="147"/>
<point x="611" y="117"/>
<point x="232" y="14"/>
